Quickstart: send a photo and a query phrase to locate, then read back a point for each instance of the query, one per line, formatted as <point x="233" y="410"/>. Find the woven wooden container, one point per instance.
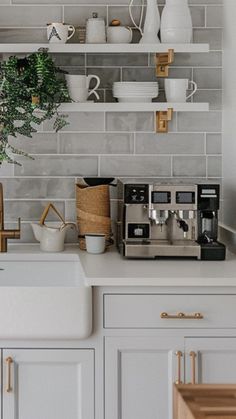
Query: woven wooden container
<point x="93" y="212"/>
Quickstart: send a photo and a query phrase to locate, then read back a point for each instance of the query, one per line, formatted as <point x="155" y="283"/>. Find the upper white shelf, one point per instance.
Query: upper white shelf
<point x="133" y="107"/>
<point x="104" y="48"/>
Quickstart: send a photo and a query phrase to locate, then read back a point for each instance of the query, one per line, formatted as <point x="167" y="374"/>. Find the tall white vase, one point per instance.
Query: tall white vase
<point x="152" y="24"/>
<point x="176" y="22"/>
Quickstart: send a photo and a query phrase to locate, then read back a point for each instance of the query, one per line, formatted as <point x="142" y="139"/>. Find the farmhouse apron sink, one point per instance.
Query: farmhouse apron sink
<point x="44" y="297"/>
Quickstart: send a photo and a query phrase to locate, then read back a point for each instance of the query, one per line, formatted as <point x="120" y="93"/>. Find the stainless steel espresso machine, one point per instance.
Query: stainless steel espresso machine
<point x="158" y="220"/>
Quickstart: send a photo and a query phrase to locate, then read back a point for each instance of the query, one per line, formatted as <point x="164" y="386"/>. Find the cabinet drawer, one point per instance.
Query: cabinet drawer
<point x="169" y="311"/>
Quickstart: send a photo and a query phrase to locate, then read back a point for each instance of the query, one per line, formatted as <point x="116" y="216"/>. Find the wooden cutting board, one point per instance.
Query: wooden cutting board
<point x="205" y="401"/>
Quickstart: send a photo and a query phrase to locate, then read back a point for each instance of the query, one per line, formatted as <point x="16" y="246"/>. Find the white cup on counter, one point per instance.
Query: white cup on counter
<point x="78" y="87"/>
<point x="95" y="243"/>
<point x="176" y="90"/>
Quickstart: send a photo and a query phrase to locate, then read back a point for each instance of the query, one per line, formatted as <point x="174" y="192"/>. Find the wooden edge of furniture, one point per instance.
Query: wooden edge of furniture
<point x="205" y="401"/>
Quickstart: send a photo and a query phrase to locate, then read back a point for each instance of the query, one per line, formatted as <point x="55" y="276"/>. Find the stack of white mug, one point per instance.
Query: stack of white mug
<point x="78" y="87"/>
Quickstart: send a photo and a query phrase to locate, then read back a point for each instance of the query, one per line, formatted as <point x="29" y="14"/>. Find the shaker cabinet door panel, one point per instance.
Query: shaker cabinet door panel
<point x="48" y="384"/>
<point x="215" y="361"/>
<point x="139" y="376"/>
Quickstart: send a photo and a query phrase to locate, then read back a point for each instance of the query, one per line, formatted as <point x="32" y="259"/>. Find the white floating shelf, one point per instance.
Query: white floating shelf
<point x="103" y="48"/>
<point x="133" y="107"/>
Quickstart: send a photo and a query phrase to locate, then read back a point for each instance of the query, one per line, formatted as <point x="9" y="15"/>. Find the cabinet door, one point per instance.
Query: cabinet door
<point x="48" y="384"/>
<point x="215" y="360"/>
<point x="139" y="376"/>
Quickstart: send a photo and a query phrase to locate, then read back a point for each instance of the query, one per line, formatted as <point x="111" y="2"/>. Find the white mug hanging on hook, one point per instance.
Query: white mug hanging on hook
<point x="59" y="32"/>
<point x="152" y="22"/>
<point x="176" y="22"/>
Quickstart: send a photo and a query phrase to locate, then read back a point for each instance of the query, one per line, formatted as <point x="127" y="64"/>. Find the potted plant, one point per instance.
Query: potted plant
<point x="31" y="91"/>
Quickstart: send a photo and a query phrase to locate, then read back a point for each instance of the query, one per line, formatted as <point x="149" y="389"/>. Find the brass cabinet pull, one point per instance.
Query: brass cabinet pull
<point x="182" y="316"/>
<point x="193" y="357"/>
<point x="179" y="355"/>
<point x="9" y="361"/>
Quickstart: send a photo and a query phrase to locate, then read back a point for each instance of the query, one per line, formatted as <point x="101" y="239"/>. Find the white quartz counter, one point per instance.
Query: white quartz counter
<point x="110" y="269"/>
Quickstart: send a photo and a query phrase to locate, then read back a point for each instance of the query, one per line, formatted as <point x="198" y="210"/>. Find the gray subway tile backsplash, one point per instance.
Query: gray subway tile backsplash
<point x="214" y="143"/>
<point x="214" y="166"/>
<point x="130" y="121"/>
<point x="40" y="143"/>
<point x="38" y="188"/>
<point x="96" y="143"/>
<point x="115" y="144"/>
<point x="213" y="97"/>
<point x="208" y="78"/>
<point x="84" y="121"/>
<point x="191" y="166"/>
<point x="214" y="16"/>
<point x="58" y="166"/>
<point x="18" y="16"/>
<point x="136" y="166"/>
<point x="170" y="143"/>
<point x="199" y="121"/>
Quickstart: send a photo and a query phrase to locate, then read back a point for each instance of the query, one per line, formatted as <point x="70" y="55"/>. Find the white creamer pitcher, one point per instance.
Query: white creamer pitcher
<point x="51" y="239"/>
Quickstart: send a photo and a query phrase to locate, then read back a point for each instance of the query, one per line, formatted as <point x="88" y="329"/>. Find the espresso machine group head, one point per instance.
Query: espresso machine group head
<point x="157" y="220"/>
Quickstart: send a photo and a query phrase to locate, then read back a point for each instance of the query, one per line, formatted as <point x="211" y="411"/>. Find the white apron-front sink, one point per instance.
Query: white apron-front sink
<point x="44" y="297"/>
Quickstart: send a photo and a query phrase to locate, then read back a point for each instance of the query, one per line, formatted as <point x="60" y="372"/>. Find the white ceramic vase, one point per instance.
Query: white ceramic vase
<point x="152" y="24"/>
<point x="176" y="23"/>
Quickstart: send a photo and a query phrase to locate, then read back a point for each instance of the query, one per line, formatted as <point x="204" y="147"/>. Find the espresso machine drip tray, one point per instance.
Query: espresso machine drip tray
<point x="162" y="248"/>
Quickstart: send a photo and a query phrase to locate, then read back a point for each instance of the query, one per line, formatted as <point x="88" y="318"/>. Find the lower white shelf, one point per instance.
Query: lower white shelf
<point x="133" y="107"/>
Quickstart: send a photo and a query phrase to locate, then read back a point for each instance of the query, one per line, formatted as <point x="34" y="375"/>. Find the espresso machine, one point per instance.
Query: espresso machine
<point x="164" y="220"/>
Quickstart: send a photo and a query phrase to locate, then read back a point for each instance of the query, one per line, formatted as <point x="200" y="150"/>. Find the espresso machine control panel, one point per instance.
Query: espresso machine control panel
<point x="136" y="194"/>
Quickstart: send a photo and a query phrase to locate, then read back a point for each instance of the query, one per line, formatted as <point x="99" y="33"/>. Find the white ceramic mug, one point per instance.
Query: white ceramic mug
<point x="176" y="90"/>
<point x="95" y="243"/>
<point x="119" y="34"/>
<point x="78" y="87"/>
<point x="59" y="32"/>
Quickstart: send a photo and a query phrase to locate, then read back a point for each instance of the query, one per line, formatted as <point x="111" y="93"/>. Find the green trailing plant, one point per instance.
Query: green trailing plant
<point x="31" y="91"/>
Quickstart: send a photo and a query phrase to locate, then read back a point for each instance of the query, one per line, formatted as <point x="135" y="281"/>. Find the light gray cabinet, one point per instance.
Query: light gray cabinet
<point x="140" y="370"/>
<point x="215" y="360"/>
<point x="48" y="384"/>
<point x="139" y="376"/>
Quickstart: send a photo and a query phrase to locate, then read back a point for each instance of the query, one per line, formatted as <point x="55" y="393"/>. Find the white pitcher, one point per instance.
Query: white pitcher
<point x="176" y="22"/>
<point x="152" y="22"/>
<point x="51" y="239"/>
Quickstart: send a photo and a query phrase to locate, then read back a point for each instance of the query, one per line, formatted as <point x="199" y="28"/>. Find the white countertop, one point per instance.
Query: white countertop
<point x="110" y="269"/>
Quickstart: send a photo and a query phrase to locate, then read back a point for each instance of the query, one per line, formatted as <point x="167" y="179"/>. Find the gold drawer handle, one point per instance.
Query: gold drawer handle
<point x="9" y="361"/>
<point x="182" y="316"/>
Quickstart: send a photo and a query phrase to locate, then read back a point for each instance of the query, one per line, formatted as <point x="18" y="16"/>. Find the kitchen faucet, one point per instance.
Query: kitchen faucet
<point x="6" y="234"/>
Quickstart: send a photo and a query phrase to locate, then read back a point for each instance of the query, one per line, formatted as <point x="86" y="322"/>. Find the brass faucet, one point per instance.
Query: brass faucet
<point x="6" y="234"/>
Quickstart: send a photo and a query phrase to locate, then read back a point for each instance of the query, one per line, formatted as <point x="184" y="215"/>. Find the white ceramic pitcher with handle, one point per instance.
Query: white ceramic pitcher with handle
<point x="152" y="22"/>
<point x="51" y="239"/>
